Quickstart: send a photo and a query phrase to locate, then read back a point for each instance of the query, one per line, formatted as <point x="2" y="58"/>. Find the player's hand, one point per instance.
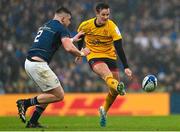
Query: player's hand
<point x="78" y="60"/>
<point x="86" y="51"/>
<point x="78" y="36"/>
<point x="128" y="72"/>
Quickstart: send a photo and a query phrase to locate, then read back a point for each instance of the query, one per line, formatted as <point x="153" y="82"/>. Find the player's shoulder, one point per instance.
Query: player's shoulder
<point x="90" y="20"/>
<point x="57" y="24"/>
<point x="87" y="22"/>
<point x="58" y="27"/>
<point x="113" y="27"/>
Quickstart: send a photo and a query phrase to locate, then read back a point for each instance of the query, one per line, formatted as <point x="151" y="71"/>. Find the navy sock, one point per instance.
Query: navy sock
<point x="31" y="102"/>
<point x="36" y="115"/>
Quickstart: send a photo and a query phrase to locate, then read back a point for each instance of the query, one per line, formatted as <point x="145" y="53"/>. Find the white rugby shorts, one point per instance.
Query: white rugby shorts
<point x="42" y="75"/>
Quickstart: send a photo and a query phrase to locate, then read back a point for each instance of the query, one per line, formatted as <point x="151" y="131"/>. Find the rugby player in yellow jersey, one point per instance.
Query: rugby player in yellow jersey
<point x="103" y="38"/>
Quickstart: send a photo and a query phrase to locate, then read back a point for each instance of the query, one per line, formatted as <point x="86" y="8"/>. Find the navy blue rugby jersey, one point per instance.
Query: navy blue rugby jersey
<point x="48" y="40"/>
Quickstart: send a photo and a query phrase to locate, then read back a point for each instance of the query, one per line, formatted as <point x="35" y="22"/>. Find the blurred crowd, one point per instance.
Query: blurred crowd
<point x="151" y="37"/>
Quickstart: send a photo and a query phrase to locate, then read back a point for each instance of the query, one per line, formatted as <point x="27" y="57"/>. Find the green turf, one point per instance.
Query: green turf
<point x="121" y="123"/>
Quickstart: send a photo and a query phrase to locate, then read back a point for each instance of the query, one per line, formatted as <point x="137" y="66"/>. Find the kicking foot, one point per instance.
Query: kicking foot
<point x="21" y="110"/>
<point x="121" y="89"/>
<point x="34" y="125"/>
<point x="102" y="117"/>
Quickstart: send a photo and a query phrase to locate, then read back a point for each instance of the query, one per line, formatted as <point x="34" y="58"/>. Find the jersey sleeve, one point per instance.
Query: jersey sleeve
<point x="82" y="27"/>
<point x="115" y="32"/>
<point x="64" y="32"/>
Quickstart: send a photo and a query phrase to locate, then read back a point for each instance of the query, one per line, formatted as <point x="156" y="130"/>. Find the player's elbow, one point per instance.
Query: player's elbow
<point x="68" y="48"/>
<point x="67" y="44"/>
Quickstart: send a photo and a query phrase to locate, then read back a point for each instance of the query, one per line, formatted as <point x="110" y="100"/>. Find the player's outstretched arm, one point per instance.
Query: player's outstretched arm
<point x="122" y="56"/>
<point x="80" y="43"/>
<point x="69" y="47"/>
<point x="78" y="37"/>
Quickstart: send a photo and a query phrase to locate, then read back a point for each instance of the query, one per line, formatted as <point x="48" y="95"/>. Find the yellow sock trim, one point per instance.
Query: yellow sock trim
<point x="111" y="82"/>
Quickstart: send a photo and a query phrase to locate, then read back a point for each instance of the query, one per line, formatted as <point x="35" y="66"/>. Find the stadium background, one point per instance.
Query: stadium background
<point x="151" y="40"/>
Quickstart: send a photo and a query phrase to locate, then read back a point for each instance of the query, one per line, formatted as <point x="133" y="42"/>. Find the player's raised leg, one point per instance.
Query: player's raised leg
<point x="103" y="70"/>
<point x="112" y="94"/>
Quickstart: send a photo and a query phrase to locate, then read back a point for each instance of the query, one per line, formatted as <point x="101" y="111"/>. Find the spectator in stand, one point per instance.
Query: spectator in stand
<point x="161" y="33"/>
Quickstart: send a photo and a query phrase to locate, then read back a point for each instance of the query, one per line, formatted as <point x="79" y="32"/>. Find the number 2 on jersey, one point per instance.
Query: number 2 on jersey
<point x="38" y="35"/>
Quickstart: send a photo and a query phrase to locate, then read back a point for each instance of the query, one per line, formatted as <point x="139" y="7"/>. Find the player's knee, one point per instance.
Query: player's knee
<point x="60" y="96"/>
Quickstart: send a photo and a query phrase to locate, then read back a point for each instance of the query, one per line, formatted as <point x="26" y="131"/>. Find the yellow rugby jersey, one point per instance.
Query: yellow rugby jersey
<point x="100" y="39"/>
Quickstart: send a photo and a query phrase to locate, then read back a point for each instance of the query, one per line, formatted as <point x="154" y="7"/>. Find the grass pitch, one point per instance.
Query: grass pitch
<point x="91" y="123"/>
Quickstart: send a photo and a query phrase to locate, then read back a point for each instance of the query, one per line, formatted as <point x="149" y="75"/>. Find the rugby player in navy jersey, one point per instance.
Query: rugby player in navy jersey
<point x="49" y="38"/>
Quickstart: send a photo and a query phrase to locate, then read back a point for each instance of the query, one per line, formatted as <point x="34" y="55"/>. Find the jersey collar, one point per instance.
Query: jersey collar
<point x="96" y="23"/>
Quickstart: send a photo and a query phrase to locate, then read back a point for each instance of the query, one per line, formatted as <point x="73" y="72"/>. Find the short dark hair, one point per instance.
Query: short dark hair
<point x="101" y="6"/>
<point x="63" y="10"/>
